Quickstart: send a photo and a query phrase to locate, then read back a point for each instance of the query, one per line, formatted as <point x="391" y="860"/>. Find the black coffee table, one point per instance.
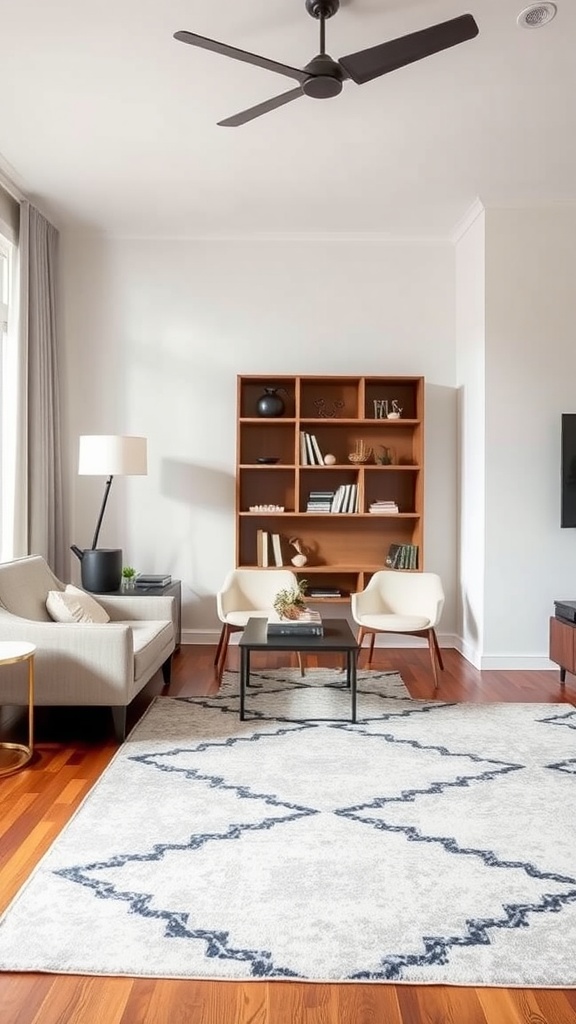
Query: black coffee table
<point x="337" y="637"/>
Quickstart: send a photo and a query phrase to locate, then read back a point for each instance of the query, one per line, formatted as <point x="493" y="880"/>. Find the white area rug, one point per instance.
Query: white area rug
<point x="428" y="843"/>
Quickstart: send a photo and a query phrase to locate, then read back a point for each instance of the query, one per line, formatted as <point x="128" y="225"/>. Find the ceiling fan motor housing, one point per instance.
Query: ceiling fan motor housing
<point x="325" y="78"/>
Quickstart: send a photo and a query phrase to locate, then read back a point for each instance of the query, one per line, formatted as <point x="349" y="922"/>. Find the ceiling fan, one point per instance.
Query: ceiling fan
<point x="323" y="76"/>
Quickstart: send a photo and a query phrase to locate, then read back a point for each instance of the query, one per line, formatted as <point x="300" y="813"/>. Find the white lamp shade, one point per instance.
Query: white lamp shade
<point x="112" y="455"/>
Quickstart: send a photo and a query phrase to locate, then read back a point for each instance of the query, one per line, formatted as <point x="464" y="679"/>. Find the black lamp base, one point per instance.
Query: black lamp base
<point x="101" y="569"/>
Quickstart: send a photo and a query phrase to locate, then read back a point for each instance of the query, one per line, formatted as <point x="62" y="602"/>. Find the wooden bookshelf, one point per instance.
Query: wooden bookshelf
<point x="343" y="548"/>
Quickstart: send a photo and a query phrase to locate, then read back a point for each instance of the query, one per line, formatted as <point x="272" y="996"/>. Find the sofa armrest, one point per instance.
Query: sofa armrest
<point x="149" y="607"/>
<point x="70" y="638"/>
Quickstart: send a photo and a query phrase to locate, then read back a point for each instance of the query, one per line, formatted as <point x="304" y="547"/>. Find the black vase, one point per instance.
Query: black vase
<point x="270" y="403"/>
<point x="101" y="570"/>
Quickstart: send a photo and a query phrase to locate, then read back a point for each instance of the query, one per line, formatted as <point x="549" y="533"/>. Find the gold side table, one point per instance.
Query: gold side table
<point x="14" y="756"/>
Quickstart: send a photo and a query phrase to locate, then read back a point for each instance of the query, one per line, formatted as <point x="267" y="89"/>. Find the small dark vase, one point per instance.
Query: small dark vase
<point x="270" y="403"/>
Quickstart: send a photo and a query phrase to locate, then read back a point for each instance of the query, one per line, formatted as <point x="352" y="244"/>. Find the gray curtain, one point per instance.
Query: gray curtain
<point x="38" y="258"/>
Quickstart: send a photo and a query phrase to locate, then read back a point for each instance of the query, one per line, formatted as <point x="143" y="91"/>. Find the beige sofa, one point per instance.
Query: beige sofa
<point x="83" y="663"/>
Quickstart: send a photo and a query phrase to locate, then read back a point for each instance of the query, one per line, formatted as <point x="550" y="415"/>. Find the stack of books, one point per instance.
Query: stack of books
<point x="402" y="556"/>
<point x="147" y="581"/>
<point x="309" y="624"/>
<point x="320" y="501"/>
<point x="323" y="592"/>
<point x="383" y="508"/>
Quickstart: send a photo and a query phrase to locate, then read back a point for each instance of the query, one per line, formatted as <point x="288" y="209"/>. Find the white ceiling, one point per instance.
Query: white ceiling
<point x="108" y="123"/>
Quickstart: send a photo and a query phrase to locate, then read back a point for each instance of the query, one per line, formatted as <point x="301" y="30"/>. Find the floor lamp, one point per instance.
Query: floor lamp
<point x="107" y="455"/>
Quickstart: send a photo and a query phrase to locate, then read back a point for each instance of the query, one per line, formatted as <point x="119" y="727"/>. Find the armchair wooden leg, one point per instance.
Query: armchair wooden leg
<point x="219" y="647"/>
<point x="371" y="651"/>
<point x="437" y="649"/>
<point x="223" y="651"/>
<point x="301" y="664"/>
<point x="432" y="649"/>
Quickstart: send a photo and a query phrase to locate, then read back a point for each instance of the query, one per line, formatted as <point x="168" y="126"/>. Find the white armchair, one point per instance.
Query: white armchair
<point x="83" y="663"/>
<point x="245" y="594"/>
<point x="401" y="602"/>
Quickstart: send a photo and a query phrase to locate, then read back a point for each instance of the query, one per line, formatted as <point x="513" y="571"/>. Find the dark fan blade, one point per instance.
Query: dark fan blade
<point x="248" y="58"/>
<point x="379" y="60"/>
<point x="262" y="108"/>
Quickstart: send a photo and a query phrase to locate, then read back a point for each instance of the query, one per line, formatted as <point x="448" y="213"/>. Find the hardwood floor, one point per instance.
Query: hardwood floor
<point x="72" y="751"/>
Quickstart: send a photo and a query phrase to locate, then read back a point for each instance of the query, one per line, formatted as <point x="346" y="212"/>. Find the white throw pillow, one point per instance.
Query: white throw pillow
<point x="74" y="605"/>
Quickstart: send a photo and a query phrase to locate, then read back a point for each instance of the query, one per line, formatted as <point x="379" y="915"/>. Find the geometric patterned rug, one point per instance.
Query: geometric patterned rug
<point x="428" y="843"/>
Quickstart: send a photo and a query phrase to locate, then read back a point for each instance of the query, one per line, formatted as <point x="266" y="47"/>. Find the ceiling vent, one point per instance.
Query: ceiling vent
<point x="536" y="15"/>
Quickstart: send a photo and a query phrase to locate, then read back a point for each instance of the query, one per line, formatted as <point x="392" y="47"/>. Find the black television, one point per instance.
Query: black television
<point x="568" y="470"/>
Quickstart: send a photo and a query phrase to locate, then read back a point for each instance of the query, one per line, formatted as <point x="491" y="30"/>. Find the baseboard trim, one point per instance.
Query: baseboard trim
<point x="502" y="662"/>
<point x="520" y="662"/>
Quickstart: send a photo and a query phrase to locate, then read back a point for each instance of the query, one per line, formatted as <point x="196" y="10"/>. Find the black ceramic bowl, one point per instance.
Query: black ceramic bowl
<point x="268" y="460"/>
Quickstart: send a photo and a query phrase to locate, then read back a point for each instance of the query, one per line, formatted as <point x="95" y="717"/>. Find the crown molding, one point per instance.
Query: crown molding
<point x="8" y="179"/>
<point x="335" y="238"/>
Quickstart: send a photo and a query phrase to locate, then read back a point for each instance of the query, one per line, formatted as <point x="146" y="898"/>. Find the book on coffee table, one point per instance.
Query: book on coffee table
<point x="309" y="624"/>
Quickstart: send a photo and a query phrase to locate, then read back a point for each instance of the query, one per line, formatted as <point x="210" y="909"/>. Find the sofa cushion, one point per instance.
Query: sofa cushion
<point x="24" y="586"/>
<point x="74" y="605"/>
<point x="151" y="639"/>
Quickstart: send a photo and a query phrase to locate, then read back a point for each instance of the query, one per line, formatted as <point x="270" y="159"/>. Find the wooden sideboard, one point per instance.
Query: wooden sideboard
<point x="562" y="646"/>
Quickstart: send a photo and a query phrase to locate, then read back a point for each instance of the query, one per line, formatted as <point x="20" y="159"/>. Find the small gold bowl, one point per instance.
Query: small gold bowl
<point x="360" y="457"/>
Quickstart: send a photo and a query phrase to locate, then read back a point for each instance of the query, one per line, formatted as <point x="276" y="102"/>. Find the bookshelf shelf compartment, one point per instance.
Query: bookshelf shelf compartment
<point x="344" y="548"/>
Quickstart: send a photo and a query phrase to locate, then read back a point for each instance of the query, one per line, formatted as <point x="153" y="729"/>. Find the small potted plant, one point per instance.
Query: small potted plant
<point x="290" y="602"/>
<point x="128" y="578"/>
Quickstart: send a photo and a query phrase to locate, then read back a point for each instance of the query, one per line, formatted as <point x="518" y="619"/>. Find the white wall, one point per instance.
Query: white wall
<point x="530" y="382"/>
<point x="155" y="334"/>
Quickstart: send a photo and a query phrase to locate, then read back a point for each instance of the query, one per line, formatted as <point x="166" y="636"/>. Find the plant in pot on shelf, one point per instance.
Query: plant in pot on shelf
<point x="290" y="602"/>
<point x="128" y="578"/>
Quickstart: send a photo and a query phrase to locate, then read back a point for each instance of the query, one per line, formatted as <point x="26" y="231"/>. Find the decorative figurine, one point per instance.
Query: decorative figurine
<point x="299" y="558"/>
<point x="396" y="411"/>
<point x="330" y="412"/>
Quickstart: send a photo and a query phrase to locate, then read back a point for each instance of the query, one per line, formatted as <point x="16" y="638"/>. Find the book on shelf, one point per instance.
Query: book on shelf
<point x="337" y="499"/>
<point x="311" y="455"/>
<point x="262" y="548"/>
<point x="309" y="624"/>
<point x="152" y="580"/>
<point x="316" y="449"/>
<point x="277" y="549"/>
<point x="348" y="501"/>
<point x="310" y="452"/>
<point x="340" y="498"/>
<point x="303" y="450"/>
<point x="324" y="592"/>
